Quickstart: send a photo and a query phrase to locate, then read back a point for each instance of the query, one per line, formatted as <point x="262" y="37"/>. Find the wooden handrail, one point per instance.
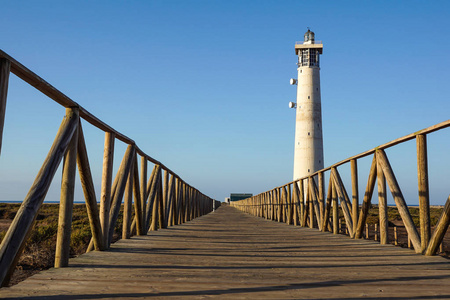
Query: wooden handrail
<point x="381" y="171"/>
<point x="184" y="202"/>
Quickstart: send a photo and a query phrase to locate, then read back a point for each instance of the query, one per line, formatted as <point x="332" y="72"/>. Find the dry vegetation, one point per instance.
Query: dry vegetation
<point x="39" y="252"/>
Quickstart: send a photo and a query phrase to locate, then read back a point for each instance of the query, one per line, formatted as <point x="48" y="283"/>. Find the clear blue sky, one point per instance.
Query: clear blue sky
<point x="203" y="86"/>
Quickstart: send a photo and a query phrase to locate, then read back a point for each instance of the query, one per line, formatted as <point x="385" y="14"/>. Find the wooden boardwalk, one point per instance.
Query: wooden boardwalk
<point x="231" y="255"/>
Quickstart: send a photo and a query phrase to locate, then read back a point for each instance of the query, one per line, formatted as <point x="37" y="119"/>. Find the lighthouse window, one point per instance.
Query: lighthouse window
<point x="309" y="97"/>
<point x="312" y="57"/>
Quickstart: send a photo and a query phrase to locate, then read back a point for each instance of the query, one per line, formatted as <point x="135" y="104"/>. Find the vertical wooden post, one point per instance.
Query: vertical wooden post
<point x="395" y="236"/>
<point x="302" y="202"/>
<point x="382" y="207"/>
<point x="383" y="162"/>
<point x="127" y="206"/>
<point x="84" y="171"/>
<point x="165" y="197"/>
<point x="144" y="193"/>
<point x="326" y="216"/>
<point x="376" y="232"/>
<point x="5" y="66"/>
<point x="321" y="197"/>
<point x="14" y="241"/>
<point x="367" y="231"/>
<point x="343" y="197"/>
<point x="66" y="202"/>
<point x="355" y="196"/>
<point x="424" y="195"/>
<point x="126" y="166"/>
<point x="310" y="203"/>
<point x="138" y="213"/>
<point x="105" y="198"/>
<point x="335" y="210"/>
<point x="367" y="198"/>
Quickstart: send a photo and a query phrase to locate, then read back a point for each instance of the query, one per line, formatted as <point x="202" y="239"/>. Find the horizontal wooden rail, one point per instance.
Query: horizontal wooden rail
<point x="308" y="201"/>
<point x="157" y="204"/>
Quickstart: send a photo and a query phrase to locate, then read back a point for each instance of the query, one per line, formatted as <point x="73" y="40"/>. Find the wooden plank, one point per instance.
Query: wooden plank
<point x="84" y="170"/>
<point x="4" y="81"/>
<point x="105" y="197"/>
<point x="242" y="257"/>
<point x="383" y="162"/>
<point x="14" y="240"/>
<point x="424" y="194"/>
<point x="63" y="235"/>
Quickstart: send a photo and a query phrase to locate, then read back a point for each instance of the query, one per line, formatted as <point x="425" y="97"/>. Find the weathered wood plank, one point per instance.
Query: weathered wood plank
<point x="242" y="257"/>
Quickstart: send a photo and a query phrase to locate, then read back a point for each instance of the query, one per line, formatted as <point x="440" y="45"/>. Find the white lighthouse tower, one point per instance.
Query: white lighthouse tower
<point x="308" y="156"/>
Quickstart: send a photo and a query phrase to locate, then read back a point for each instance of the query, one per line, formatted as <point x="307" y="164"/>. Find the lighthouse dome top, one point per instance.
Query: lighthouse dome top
<point x="309" y="36"/>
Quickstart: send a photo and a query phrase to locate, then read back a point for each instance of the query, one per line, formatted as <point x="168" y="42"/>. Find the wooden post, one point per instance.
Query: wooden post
<point x="315" y="201"/>
<point x="295" y="201"/>
<point x="138" y="213"/>
<point x="289" y="204"/>
<point x="14" y="240"/>
<point x="127" y="206"/>
<point x="310" y="203"/>
<point x="355" y="196"/>
<point x="383" y="162"/>
<point x="440" y="229"/>
<point x="367" y="198"/>
<point x="424" y="195"/>
<point x="121" y="178"/>
<point x="376" y="232"/>
<point x="335" y="210"/>
<point x="367" y="231"/>
<point x="326" y="217"/>
<point x="321" y="197"/>
<point x="152" y="196"/>
<point x="395" y="236"/>
<point x="343" y="197"/>
<point x="84" y="170"/>
<point x="302" y="203"/>
<point x="105" y="198"/>
<point x="144" y="192"/>
<point x="164" y="199"/>
<point x="5" y="66"/>
<point x="66" y="202"/>
<point x="382" y="207"/>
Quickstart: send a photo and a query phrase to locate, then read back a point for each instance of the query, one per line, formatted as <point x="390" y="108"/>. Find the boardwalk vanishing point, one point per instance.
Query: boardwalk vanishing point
<point x="232" y="255"/>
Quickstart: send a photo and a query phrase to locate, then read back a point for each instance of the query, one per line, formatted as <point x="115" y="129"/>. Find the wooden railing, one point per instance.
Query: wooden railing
<point x="303" y="202"/>
<point x="162" y="200"/>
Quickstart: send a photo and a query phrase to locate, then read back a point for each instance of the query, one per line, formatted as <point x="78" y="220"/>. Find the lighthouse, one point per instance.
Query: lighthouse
<point x="308" y="155"/>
